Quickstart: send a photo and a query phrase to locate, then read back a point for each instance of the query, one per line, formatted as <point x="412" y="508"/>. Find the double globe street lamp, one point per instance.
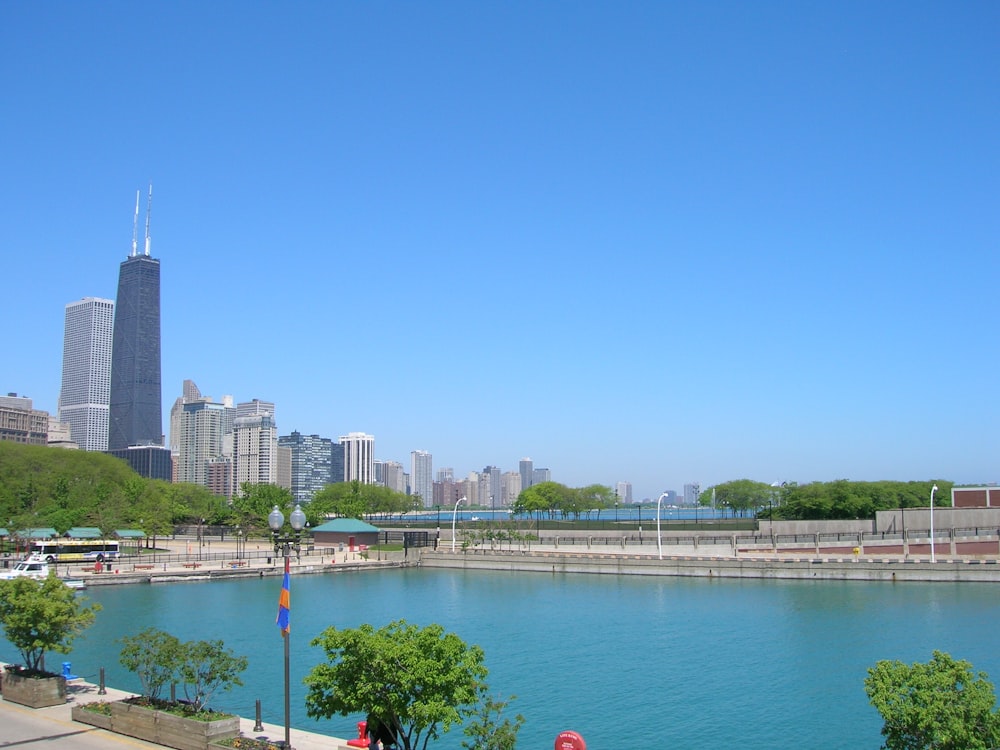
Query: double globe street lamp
<point x="284" y="544"/>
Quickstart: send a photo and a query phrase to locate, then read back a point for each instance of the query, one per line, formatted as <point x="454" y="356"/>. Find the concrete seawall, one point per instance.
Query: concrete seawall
<point x="774" y="567"/>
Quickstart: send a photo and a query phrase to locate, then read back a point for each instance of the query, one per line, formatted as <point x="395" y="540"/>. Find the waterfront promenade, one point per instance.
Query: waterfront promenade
<point x="54" y="727"/>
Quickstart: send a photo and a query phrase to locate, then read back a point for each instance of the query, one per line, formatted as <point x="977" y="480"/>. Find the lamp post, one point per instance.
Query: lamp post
<point x="285" y="544"/>
<point x="454" y="516"/>
<point x="933" y="490"/>
<point x="659" y="540"/>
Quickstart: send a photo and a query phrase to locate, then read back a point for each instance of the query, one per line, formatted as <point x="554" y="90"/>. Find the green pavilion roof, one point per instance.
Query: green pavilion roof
<point x="84" y="532"/>
<point x="346" y="526"/>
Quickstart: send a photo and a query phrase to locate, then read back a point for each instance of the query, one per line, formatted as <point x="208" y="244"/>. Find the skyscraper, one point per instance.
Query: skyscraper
<point x="422" y="476"/>
<point x="86" y="371"/>
<point x="525" y="468"/>
<point x="255" y="444"/>
<point x="359" y="457"/>
<point x="312" y="464"/>
<point x="135" y="410"/>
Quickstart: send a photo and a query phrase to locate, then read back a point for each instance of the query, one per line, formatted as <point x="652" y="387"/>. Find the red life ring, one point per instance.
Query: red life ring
<point x="570" y="741"/>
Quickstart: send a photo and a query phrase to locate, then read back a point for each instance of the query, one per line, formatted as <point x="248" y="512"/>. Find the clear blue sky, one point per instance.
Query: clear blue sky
<point x="647" y="241"/>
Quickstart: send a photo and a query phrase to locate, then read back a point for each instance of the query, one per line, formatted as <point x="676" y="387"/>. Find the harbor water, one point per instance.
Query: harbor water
<point x="659" y="662"/>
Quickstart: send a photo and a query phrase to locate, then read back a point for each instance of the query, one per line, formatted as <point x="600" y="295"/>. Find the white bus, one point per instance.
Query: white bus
<point x="68" y="550"/>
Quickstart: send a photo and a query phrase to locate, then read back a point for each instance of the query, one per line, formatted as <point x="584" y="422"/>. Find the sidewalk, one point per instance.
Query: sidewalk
<point x="54" y="727"/>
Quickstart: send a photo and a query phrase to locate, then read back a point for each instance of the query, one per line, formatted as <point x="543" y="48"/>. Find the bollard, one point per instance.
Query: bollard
<point x="258" y="726"/>
<point x="173" y="692"/>
<point x="100" y="686"/>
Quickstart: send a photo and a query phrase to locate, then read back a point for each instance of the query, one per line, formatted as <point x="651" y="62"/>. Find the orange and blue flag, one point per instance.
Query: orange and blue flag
<point x="284" y="602"/>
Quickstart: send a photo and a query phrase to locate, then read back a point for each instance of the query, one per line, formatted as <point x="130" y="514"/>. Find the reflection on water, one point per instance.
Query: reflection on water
<point x="693" y="663"/>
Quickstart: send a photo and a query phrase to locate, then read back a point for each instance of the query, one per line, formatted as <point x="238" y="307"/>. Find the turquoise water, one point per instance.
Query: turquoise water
<point x="684" y="663"/>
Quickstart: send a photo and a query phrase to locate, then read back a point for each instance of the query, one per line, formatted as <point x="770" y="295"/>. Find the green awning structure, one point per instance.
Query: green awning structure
<point x="130" y="534"/>
<point x="346" y="526"/>
<point x="84" y="532"/>
<point x="4" y="532"/>
<point x="37" y="533"/>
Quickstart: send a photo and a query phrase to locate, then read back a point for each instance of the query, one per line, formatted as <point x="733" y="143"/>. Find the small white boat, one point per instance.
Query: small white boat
<point x="39" y="569"/>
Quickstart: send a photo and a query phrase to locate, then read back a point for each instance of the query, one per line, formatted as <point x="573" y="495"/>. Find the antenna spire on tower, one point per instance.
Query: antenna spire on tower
<point x="149" y="210"/>
<point x="135" y="225"/>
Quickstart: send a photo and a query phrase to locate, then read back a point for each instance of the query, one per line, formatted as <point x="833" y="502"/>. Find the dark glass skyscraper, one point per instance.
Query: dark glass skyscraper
<point x="136" y="413"/>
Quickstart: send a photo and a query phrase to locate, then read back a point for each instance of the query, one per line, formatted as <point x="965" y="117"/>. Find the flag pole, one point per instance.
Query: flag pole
<point x="286" y="635"/>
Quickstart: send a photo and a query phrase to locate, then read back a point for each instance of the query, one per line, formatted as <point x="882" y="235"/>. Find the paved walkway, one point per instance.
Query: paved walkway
<point x="54" y="727"/>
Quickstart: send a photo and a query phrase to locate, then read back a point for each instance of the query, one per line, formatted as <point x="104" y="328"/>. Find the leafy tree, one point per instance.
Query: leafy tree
<point x="843" y="499"/>
<point x="940" y="705"/>
<point x="742" y="495"/>
<point x="39" y="616"/>
<point x="419" y="681"/>
<point x="154" y="656"/>
<point x="489" y="728"/>
<point x="205" y="668"/>
<point x="256" y="501"/>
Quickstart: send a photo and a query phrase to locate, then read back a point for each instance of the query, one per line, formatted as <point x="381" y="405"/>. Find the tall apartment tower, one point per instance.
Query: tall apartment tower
<point x="255" y="444"/>
<point x="525" y="467"/>
<point x="200" y="441"/>
<point x="86" y="371"/>
<point x="623" y="491"/>
<point x="312" y="464"/>
<point x="510" y="483"/>
<point x="422" y="476"/>
<point x="494" y="493"/>
<point x="359" y="457"/>
<point x="393" y="476"/>
<point x="135" y="407"/>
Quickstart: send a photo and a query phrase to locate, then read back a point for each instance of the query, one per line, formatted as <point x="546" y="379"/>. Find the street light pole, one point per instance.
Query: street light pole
<point x="285" y="544"/>
<point x="454" y="516"/>
<point x="933" y="490"/>
<point x="659" y="540"/>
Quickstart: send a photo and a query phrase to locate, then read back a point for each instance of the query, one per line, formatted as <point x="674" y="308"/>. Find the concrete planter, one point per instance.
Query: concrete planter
<point x="34" y="692"/>
<point x="167" y="729"/>
<point x="82" y="715"/>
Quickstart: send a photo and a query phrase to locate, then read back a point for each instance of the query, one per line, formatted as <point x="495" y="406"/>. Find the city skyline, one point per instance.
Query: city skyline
<point x="653" y="243"/>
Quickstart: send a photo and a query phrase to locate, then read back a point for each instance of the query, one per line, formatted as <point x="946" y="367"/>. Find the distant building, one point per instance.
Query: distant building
<point x="540" y="475"/>
<point x="623" y="492"/>
<point x="201" y="426"/>
<point x="255" y="444"/>
<point x="525" y="469"/>
<point x="135" y="412"/>
<point x="60" y="436"/>
<point x="359" y="457"/>
<point x="338" y="471"/>
<point x="510" y="488"/>
<point x="491" y="489"/>
<point x="150" y="461"/>
<point x="85" y="396"/>
<point x="393" y="476"/>
<point x="691" y="493"/>
<point x="20" y="422"/>
<point x="311" y="463"/>
<point x="422" y="477"/>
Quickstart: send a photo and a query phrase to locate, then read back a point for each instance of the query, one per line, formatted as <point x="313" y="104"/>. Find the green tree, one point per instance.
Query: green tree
<point x="154" y="656"/>
<point x="256" y="501"/>
<point x="743" y="495"/>
<point x="940" y="705"/>
<point x="489" y="729"/>
<point x="206" y="667"/>
<point x="419" y="681"/>
<point x="39" y="616"/>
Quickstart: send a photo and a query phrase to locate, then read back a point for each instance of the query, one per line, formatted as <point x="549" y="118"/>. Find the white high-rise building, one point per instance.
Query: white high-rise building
<point x="201" y="440"/>
<point x="359" y="457"/>
<point x="422" y="476"/>
<point x="86" y="374"/>
<point x="623" y="491"/>
<point x="255" y="444"/>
